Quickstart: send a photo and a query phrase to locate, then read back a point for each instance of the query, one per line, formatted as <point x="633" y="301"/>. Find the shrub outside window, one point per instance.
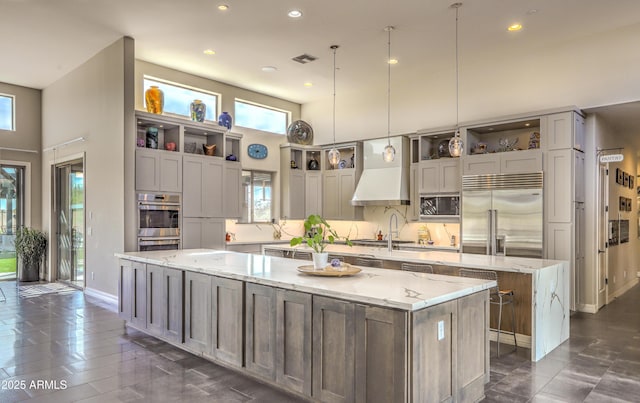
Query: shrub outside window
<point x="178" y="98"/>
<point x="261" y="117"/>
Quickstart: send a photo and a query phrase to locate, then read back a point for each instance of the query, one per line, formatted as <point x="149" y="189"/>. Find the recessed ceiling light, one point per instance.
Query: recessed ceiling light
<point x="209" y="52"/>
<point x="223" y="7"/>
<point x="515" y="27"/>
<point x="527" y="124"/>
<point x="295" y="13"/>
<point x="308" y="84"/>
<point x="393" y="61"/>
<point x="269" y="69"/>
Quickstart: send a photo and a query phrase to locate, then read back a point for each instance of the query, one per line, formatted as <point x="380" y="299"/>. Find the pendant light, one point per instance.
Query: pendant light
<point x="389" y="153"/>
<point x="334" y="154"/>
<point x="456" y="146"/>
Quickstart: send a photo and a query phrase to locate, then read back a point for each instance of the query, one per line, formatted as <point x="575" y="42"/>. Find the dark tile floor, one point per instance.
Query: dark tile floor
<point x="67" y="348"/>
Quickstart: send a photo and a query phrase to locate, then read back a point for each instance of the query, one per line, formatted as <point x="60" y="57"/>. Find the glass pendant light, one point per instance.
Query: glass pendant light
<point x="456" y="146"/>
<point x="334" y="154"/>
<point x="389" y="153"/>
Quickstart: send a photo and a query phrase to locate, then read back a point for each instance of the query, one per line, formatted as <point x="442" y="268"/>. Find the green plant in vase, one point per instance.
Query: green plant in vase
<point x="31" y="245"/>
<point x="317" y="235"/>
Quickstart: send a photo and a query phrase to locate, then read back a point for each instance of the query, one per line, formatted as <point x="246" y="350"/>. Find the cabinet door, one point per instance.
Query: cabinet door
<point x="472" y="337"/>
<point x="345" y="194"/>
<point x="313" y="194"/>
<point x="232" y="199"/>
<point x="212" y="187"/>
<point x="139" y="297"/>
<point x="293" y="203"/>
<point x="192" y="180"/>
<point x="558" y="186"/>
<point x="333" y="350"/>
<point x="124" y="290"/>
<point x="147" y="170"/>
<point x="170" y="172"/>
<point x="197" y="318"/>
<point x="524" y="161"/>
<point x="481" y="164"/>
<point x="191" y="233"/>
<point x="450" y="176"/>
<point x="173" y="329"/>
<point x="414" y="193"/>
<point x="330" y="198"/>
<point x="429" y="176"/>
<point x="213" y="234"/>
<point x="578" y="172"/>
<point x="578" y="132"/>
<point x="559" y="131"/>
<point x="227" y="306"/>
<point x="293" y="341"/>
<point x="260" y="344"/>
<point x="156" y="310"/>
<point x="380" y="354"/>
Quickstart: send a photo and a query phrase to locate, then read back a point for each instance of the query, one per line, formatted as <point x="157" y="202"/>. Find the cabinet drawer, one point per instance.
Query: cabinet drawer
<point x="481" y="164"/>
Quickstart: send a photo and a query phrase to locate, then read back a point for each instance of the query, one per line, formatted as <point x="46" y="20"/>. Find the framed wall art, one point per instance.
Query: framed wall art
<point x="625" y="179"/>
<point x="629" y="204"/>
<point x="631" y="182"/>
<point x="623" y="204"/>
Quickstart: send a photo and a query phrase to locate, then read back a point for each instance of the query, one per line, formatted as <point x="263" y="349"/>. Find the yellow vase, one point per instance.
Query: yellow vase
<point x="154" y="98"/>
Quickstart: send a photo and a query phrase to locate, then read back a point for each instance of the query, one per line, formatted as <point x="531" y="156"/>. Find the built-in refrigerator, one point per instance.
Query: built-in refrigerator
<point x="502" y="214"/>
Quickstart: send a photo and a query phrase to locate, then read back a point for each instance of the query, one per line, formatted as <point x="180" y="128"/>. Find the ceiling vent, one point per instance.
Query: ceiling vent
<point x="304" y="58"/>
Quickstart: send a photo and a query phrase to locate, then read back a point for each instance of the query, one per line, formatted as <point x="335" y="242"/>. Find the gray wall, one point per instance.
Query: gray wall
<point x="27" y="136"/>
<point x="93" y="102"/>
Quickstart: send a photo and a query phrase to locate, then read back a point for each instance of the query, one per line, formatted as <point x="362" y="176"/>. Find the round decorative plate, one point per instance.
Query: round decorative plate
<point x="330" y="271"/>
<point x="300" y="132"/>
<point x="342" y="164"/>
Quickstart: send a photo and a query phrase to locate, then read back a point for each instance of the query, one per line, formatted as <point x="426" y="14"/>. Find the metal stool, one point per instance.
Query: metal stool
<point x="420" y="268"/>
<point x="273" y="252"/>
<point x="301" y="255"/>
<point x="360" y="261"/>
<point x="496" y="297"/>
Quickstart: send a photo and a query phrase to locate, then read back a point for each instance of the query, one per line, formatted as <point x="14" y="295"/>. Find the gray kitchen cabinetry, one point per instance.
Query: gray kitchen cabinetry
<point x="173" y="289"/>
<point x="227" y="310"/>
<point x="124" y="289"/>
<point x="132" y="292"/>
<point x="203" y="233"/>
<point x="202" y="186"/>
<point x="197" y="304"/>
<point x="339" y="182"/>
<point x="156" y="305"/>
<point x="232" y="198"/>
<point x="299" y="187"/>
<point x="414" y="193"/>
<point x="313" y="193"/>
<point x="511" y="162"/>
<point x="260" y="342"/>
<point x="439" y="176"/>
<point x="158" y="171"/>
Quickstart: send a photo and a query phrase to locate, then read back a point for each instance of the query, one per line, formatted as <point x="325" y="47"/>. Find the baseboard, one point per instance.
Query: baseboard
<point x="111" y="300"/>
<point x="622" y="290"/>
<point x="587" y="308"/>
<point x="523" y="340"/>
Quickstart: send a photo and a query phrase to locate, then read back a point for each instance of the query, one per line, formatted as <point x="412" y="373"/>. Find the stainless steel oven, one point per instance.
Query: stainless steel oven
<point x="158" y="221"/>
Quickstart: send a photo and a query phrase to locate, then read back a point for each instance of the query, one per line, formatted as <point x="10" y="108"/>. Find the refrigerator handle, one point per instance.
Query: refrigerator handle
<point x="494" y="232"/>
<point x="489" y="231"/>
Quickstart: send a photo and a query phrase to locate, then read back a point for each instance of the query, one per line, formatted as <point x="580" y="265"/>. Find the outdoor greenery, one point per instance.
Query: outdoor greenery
<point x="323" y="236"/>
<point x="7" y="265"/>
<point x="30" y="244"/>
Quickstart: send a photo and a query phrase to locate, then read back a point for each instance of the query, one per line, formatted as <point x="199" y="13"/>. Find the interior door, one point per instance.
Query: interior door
<point x="603" y="235"/>
<point x="519" y="218"/>
<point x="475" y="221"/>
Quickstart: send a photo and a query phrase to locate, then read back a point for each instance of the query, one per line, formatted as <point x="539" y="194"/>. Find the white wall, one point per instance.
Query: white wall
<point x="90" y="102"/>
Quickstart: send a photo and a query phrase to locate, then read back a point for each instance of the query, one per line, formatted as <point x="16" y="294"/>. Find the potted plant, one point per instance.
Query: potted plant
<point x="317" y="235"/>
<point x="31" y="245"/>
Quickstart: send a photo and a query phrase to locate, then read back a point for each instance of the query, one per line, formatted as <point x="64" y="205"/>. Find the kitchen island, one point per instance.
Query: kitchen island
<point x="379" y="336"/>
<point x="541" y="287"/>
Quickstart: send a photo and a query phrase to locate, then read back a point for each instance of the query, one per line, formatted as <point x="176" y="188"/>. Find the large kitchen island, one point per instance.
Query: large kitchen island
<point x="379" y="336"/>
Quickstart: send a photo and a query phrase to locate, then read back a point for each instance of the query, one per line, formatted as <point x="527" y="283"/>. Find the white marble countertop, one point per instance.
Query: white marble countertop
<point x="390" y="288"/>
<point x="467" y="260"/>
<point x="256" y="242"/>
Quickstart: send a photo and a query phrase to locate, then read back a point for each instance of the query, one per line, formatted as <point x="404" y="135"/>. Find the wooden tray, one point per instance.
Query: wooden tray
<point x="345" y="270"/>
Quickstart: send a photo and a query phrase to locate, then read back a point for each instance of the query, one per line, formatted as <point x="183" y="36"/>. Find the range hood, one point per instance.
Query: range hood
<point x="383" y="183"/>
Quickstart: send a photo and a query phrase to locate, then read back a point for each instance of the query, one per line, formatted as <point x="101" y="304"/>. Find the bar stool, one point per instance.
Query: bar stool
<point x="361" y="261"/>
<point x="496" y="297"/>
<point x="301" y="255"/>
<point x="419" y="268"/>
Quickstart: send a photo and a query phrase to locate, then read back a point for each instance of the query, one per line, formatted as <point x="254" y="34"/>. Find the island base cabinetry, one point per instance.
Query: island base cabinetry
<point x="317" y="347"/>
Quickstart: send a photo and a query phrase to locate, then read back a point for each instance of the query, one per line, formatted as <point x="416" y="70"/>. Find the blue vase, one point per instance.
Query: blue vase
<point x="152" y="137"/>
<point x="225" y="120"/>
<point x="198" y="110"/>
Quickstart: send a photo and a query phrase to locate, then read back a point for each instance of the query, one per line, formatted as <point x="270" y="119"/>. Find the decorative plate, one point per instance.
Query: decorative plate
<point x="257" y="151"/>
<point x="300" y="132"/>
<point x="345" y="270"/>
<point x="342" y="164"/>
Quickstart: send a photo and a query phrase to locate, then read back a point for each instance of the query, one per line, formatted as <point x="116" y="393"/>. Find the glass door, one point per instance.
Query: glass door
<point x="11" y="216"/>
<point x="70" y="228"/>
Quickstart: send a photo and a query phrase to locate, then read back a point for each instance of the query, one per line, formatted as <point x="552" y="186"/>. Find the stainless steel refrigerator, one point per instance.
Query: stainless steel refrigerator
<point x="502" y="214"/>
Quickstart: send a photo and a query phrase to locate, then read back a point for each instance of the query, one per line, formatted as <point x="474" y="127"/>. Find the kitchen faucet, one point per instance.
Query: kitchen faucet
<point x="390" y="234"/>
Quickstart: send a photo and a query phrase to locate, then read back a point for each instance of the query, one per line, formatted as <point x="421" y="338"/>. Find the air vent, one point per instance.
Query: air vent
<point x="304" y="58"/>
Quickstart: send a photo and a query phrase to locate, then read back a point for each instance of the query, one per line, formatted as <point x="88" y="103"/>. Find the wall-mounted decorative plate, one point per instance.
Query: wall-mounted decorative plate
<point x="300" y="132"/>
<point x="257" y="151"/>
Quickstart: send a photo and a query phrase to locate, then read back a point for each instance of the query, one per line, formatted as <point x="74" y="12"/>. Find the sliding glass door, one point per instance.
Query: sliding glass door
<point x="11" y="216"/>
<point x="70" y="225"/>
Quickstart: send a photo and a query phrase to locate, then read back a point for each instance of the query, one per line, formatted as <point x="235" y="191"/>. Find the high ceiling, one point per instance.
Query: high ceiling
<point x="42" y="40"/>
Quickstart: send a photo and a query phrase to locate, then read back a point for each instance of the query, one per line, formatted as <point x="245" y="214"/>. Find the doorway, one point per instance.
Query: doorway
<point x="69" y="200"/>
<point x="603" y="234"/>
<point x="12" y="206"/>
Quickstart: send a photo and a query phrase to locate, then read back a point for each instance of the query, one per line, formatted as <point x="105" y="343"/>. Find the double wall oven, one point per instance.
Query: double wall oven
<point x="158" y="221"/>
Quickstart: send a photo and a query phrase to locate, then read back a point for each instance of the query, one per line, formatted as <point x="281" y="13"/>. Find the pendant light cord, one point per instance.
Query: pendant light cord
<point x="389" y="29"/>
<point x="334" y="47"/>
<point x="457" y="7"/>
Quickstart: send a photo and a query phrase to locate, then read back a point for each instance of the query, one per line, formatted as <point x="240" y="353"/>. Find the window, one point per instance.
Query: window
<point x="7" y="116"/>
<point x="178" y="98"/>
<point x="258" y="204"/>
<point x="261" y="117"/>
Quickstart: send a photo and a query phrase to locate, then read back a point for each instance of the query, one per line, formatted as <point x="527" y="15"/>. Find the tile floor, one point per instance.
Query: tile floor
<point x="64" y="348"/>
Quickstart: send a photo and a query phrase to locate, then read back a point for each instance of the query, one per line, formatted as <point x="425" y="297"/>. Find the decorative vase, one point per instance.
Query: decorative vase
<point x="198" y="110"/>
<point x="320" y="260"/>
<point x="209" y="149"/>
<point x="225" y="120"/>
<point x="152" y="137"/>
<point x="313" y="163"/>
<point x="277" y="235"/>
<point x="155" y="100"/>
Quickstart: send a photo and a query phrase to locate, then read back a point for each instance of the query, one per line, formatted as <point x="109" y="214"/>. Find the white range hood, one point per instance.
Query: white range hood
<point x="383" y="183"/>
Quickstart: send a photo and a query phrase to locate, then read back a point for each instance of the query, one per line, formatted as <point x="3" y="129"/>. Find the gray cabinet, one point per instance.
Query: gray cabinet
<point x="260" y="344"/>
<point x="337" y="191"/>
<point x="227" y="308"/>
<point x="292" y="194"/>
<point x="414" y="193"/>
<point x="334" y="345"/>
<point x="124" y="289"/>
<point x="511" y="162"/>
<point x="564" y="130"/>
<point x="558" y="185"/>
<point x="300" y="182"/>
<point x="203" y="233"/>
<point x="313" y="193"/>
<point x="232" y="192"/>
<point x="202" y="186"/>
<point x="156" y="306"/>
<point x="173" y="305"/>
<point x="139" y="297"/>
<point x="197" y="321"/>
<point x="158" y="171"/>
<point x="440" y="176"/>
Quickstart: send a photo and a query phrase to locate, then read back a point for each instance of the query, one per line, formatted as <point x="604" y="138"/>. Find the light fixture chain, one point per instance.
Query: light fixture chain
<point x="389" y="29"/>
